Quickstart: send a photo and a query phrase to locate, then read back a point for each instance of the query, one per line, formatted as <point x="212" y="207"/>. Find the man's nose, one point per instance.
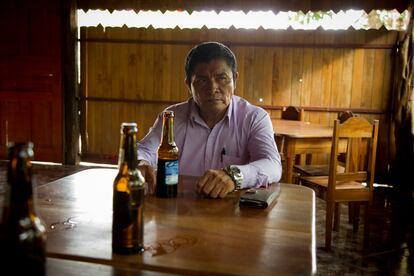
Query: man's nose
<point x="212" y="84"/>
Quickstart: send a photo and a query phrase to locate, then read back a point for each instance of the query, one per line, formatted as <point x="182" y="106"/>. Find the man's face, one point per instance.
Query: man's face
<point x="212" y="86"/>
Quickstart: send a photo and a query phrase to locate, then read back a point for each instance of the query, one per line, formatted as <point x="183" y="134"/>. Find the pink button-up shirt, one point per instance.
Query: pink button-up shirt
<point x="244" y="137"/>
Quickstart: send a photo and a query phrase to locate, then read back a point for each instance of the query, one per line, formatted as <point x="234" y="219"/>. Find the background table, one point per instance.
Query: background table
<point x="300" y="138"/>
<point x="190" y="234"/>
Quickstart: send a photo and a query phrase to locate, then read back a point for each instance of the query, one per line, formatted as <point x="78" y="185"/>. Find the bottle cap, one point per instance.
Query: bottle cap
<point x="127" y="127"/>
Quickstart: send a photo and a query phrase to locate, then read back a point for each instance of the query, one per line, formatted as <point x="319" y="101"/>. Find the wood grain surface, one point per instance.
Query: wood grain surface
<point x="187" y="235"/>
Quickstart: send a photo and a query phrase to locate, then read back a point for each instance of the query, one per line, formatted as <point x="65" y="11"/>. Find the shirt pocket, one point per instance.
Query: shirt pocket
<point x="232" y="160"/>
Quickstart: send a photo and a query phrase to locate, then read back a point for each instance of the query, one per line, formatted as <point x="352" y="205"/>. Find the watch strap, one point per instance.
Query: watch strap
<point x="235" y="174"/>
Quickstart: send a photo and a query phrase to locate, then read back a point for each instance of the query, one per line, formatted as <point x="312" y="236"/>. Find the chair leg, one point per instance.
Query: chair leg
<point x="350" y="212"/>
<point x="308" y="159"/>
<point x="355" y="219"/>
<point x="337" y="217"/>
<point x="296" y="178"/>
<point x="328" y="224"/>
<point x="366" y="226"/>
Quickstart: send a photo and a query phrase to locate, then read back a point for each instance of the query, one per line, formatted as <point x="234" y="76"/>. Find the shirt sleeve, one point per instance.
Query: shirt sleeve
<point x="265" y="164"/>
<point x="148" y="146"/>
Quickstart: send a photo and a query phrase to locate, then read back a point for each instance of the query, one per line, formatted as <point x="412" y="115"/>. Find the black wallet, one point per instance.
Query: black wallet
<point x="260" y="198"/>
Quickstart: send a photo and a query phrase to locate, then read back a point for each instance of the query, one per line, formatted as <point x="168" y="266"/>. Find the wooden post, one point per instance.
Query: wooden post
<point x="70" y="82"/>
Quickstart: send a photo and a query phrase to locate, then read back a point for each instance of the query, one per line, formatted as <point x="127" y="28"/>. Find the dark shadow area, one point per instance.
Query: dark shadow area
<point x="391" y="247"/>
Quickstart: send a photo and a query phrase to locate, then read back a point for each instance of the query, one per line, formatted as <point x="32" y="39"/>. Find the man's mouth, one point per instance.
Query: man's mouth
<point x="215" y="100"/>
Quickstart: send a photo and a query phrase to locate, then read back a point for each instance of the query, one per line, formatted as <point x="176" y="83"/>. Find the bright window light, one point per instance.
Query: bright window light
<point x="328" y="20"/>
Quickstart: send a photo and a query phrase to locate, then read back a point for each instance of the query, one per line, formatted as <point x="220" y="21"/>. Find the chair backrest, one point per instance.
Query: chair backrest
<point x="293" y="113"/>
<point x="342" y="157"/>
<point x="363" y="169"/>
<point x="345" y="115"/>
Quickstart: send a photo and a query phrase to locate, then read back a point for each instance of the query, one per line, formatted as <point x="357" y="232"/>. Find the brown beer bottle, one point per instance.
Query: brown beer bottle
<point x="128" y="197"/>
<point x="23" y="233"/>
<point x="167" y="167"/>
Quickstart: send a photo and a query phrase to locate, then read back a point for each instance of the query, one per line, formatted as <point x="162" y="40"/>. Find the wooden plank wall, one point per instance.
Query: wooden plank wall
<point x="30" y="77"/>
<point x="132" y="74"/>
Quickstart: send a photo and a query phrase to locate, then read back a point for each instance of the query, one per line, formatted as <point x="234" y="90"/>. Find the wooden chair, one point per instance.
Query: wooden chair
<point x="343" y="161"/>
<point x="355" y="184"/>
<point x="292" y="113"/>
<point x="345" y="115"/>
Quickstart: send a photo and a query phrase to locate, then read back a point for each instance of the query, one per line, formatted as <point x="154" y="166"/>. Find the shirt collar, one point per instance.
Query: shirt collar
<point x="195" y="115"/>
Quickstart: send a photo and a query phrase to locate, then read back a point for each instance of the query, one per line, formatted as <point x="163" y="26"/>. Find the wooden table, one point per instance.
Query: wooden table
<point x="299" y="138"/>
<point x="187" y="235"/>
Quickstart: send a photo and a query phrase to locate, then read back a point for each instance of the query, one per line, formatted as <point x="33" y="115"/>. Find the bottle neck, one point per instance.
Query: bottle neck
<point x="168" y="131"/>
<point x="21" y="187"/>
<point x="128" y="152"/>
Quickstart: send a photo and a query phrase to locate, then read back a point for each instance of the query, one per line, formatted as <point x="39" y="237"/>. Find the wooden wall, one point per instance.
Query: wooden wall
<point x="132" y="74"/>
<point x="30" y="77"/>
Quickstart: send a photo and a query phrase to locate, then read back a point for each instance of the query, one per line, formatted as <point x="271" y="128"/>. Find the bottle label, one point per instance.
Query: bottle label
<point x="171" y="172"/>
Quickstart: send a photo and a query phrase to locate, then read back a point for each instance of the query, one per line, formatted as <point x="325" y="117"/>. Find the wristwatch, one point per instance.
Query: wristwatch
<point x="235" y="174"/>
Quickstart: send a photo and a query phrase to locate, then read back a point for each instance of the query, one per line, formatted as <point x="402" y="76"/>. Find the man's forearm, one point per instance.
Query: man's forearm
<point x="261" y="172"/>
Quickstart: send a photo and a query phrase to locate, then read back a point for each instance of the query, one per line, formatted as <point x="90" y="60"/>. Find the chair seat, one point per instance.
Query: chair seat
<point x="316" y="170"/>
<point x="340" y="185"/>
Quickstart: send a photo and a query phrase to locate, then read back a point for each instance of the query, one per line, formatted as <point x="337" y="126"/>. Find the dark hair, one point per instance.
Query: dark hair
<point x="207" y="51"/>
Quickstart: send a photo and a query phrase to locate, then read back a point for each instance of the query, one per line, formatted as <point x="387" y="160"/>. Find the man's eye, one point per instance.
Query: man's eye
<point x="201" y="80"/>
<point x="223" y="79"/>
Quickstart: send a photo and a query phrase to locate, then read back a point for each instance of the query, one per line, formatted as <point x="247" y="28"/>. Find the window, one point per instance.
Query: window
<point x="328" y="20"/>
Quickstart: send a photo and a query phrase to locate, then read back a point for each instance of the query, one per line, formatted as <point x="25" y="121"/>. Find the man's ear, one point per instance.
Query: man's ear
<point x="187" y="83"/>
<point x="235" y="77"/>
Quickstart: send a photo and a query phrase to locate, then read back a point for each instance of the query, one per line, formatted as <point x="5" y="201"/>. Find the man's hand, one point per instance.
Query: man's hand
<point x="215" y="183"/>
<point x="148" y="173"/>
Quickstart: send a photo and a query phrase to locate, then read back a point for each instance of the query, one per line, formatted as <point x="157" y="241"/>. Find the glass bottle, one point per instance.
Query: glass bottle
<point x="167" y="166"/>
<point x="23" y="233"/>
<point x="128" y="196"/>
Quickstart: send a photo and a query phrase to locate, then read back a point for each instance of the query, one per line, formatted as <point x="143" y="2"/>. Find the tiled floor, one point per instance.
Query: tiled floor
<point x="391" y="250"/>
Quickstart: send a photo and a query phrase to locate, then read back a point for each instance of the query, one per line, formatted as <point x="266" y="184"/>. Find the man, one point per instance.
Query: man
<point x="222" y="138"/>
